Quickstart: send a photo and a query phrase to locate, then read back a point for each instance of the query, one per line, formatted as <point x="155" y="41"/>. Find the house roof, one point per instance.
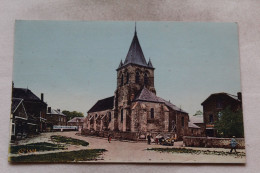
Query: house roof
<point x="148" y="96"/>
<point x="55" y="112"/>
<point x="15" y="103"/>
<point x="196" y="119"/>
<point x="104" y="104"/>
<point x="191" y="125"/>
<point x="222" y="93"/>
<point x="75" y="119"/>
<point x="25" y="94"/>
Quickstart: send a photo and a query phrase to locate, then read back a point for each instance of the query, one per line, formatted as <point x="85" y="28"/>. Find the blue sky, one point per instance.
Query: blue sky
<point x="74" y="62"/>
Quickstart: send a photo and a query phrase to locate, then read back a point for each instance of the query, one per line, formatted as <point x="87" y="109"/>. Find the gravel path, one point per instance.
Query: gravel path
<point x="119" y="151"/>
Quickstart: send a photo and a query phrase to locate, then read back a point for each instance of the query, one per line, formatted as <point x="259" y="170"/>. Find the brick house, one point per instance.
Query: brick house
<point x="35" y="109"/>
<point x="213" y="106"/>
<point x="19" y="119"/>
<point x="196" y="126"/>
<point x="135" y="110"/>
<point x="76" y="121"/>
<point x="55" y="117"/>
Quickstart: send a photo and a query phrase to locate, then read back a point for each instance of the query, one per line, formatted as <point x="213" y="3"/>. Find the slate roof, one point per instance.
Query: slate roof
<point x="135" y="55"/>
<point x="150" y="63"/>
<point x="222" y="93"/>
<point x="74" y="120"/>
<point x="196" y="119"/>
<point x="55" y="112"/>
<point x="191" y="125"/>
<point x="25" y="94"/>
<point x="104" y="104"/>
<point x="148" y="96"/>
<point x="15" y="103"/>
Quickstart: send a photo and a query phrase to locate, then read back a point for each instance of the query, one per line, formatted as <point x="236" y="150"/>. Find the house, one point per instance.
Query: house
<point x="213" y="107"/>
<point x="19" y="119"/>
<point x="196" y="125"/>
<point x="135" y="110"/>
<point x="35" y="109"/>
<point x="194" y="130"/>
<point x="76" y="121"/>
<point x="55" y="117"/>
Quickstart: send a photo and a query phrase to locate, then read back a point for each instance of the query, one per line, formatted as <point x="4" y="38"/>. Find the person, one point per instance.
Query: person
<point x="233" y="144"/>
<point x="149" y="139"/>
<point x="109" y="138"/>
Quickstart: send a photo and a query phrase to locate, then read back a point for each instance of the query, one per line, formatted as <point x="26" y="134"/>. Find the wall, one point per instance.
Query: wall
<point x="209" y="142"/>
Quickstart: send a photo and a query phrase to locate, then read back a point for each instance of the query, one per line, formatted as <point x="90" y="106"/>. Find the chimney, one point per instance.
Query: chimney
<point x="239" y="96"/>
<point x="49" y="109"/>
<point x="42" y="97"/>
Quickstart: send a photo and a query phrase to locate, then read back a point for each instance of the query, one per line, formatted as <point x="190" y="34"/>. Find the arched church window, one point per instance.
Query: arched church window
<point x="122" y="115"/>
<point x="109" y="117"/>
<point x="152" y="112"/>
<point x="145" y="79"/>
<point x="182" y="121"/>
<point x="137" y="77"/>
<point x="122" y="80"/>
<point x="127" y="78"/>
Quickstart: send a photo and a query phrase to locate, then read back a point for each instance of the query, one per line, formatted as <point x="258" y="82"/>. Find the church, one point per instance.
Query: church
<point x="135" y="110"/>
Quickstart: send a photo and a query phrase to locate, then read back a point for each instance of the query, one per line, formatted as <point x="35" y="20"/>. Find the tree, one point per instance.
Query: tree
<point x="230" y="123"/>
<point x="72" y="114"/>
<point x="198" y="113"/>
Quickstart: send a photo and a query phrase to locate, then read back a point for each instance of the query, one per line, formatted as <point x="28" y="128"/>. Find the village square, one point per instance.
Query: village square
<point x="134" y="124"/>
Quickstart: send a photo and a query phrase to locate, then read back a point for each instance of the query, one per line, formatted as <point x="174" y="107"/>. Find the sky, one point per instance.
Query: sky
<point x="74" y="62"/>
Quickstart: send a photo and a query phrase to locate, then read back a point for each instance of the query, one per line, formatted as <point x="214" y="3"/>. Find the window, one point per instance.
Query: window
<point x="122" y="115"/>
<point x="211" y="119"/>
<point x="109" y="117"/>
<point x="137" y="77"/>
<point x="122" y="80"/>
<point x="96" y="116"/>
<point x="152" y="112"/>
<point x="145" y="79"/>
<point x="127" y="78"/>
<point x="182" y="121"/>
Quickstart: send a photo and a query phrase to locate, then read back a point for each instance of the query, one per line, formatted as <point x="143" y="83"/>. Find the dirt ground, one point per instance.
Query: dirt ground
<point x="128" y="151"/>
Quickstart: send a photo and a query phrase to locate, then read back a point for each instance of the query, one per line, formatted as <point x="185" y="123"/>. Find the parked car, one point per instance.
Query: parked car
<point x="168" y="141"/>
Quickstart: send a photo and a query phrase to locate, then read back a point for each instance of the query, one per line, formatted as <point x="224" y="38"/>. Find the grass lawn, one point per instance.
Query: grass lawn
<point x="191" y="151"/>
<point x="70" y="156"/>
<point x="67" y="140"/>
<point x="35" y="147"/>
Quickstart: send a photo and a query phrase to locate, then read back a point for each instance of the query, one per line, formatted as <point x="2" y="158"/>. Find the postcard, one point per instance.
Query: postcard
<point x="126" y="92"/>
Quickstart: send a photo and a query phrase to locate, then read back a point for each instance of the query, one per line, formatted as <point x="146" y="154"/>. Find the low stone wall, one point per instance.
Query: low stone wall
<point x="116" y="135"/>
<point x="134" y="136"/>
<point x="211" y="142"/>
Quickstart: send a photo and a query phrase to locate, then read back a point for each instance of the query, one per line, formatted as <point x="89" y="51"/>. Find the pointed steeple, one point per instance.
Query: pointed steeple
<point x="120" y="64"/>
<point x="150" y="63"/>
<point x="135" y="28"/>
<point x="135" y="54"/>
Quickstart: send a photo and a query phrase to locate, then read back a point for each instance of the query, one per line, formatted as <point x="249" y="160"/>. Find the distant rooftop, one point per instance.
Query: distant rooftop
<point x="76" y="119"/>
<point x="55" y="112"/>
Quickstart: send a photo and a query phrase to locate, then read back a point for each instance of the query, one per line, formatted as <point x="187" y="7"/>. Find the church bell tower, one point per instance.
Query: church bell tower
<point x="132" y="76"/>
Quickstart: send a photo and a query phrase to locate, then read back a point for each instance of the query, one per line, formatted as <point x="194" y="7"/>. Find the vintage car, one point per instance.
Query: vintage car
<point x="168" y="141"/>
